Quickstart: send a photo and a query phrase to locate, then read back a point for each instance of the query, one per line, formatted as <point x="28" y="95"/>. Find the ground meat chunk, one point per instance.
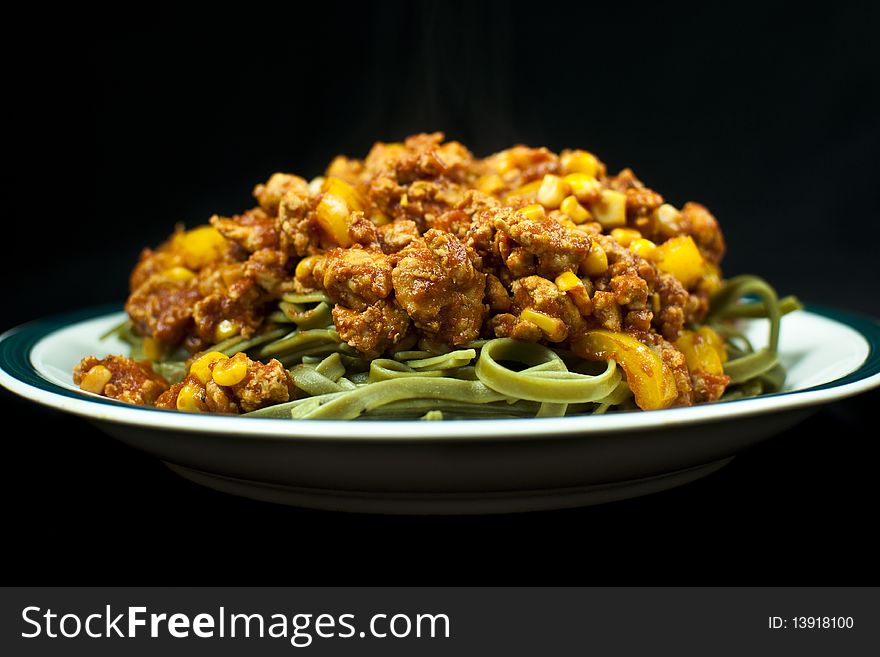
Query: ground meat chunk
<point x="708" y="387"/>
<point x="422" y="156"/>
<point x="496" y="294"/>
<point x="210" y="311"/>
<point x="458" y="220"/>
<point x="539" y="294"/>
<point x="354" y="278"/>
<point x="268" y="269"/>
<point x="162" y="307"/>
<point x="672" y="300"/>
<point x="556" y="248"/>
<point x="264" y="385"/>
<point x="698" y="222"/>
<point x="398" y="234"/>
<point x="480" y="235"/>
<point x="118" y="377"/>
<point x="640" y="200"/>
<point x="374" y="329"/>
<point x="153" y="262"/>
<point x="299" y="233"/>
<point x="521" y="164"/>
<point x="506" y="325"/>
<point x="437" y="284"/>
<point x="677" y="364"/>
<point x="270" y="193"/>
<point x="253" y="230"/>
<point x="606" y="312"/>
<point x="362" y="231"/>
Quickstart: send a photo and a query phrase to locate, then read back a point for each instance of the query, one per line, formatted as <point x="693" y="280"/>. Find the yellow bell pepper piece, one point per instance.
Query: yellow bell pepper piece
<point x="708" y="334"/>
<point x="200" y="246"/>
<point x="333" y="213"/>
<point x="338" y="187"/>
<point x="701" y="350"/>
<point x="651" y="382"/>
<point x="680" y="257"/>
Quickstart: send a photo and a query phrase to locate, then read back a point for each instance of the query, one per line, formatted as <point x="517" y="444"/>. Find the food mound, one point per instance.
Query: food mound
<point x="423" y="279"/>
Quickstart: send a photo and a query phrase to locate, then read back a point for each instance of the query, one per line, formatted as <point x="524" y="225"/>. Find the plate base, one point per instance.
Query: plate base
<point x="446" y="503"/>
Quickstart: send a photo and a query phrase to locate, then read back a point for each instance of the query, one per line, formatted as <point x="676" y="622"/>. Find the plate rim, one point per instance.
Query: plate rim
<point x="18" y="375"/>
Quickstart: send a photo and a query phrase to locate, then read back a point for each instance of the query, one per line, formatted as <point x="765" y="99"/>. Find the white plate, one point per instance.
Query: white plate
<point x="464" y="466"/>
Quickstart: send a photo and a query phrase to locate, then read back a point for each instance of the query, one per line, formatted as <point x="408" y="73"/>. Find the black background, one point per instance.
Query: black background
<point x="767" y="118"/>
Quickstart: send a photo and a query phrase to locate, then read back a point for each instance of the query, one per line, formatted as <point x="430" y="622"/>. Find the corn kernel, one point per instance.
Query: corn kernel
<point x="178" y="274"/>
<point x="152" y="349"/>
<point x="553" y="327"/>
<point x="579" y="161"/>
<point x="680" y="257"/>
<point x="528" y="190"/>
<point x="190" y="399"/>
<point x="305" y="266"/>
<point x="644" y="248"/>
<point x="610" y="210"/>
<point x="625" y="236"/>
<point x="552" y="191"/>
<point x="565" y="221"/>
<point x="226" y="329"/>
<point x="333" y="214"/>
<point x="490" y="184"/>
<point x="201" y="366"/>
<point x="534" y="211"/>
<point x="341" y="189"/>
<point x="567" y="281"/>
<point x="202" y="246"/>
<point x="578" y="213"/>
<point x="231" y="371"/>
<point x="585" y="188"/>
<point x="95" y="379"/>
<point x="574" y="287"/>
<point x="596" y="262"/>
